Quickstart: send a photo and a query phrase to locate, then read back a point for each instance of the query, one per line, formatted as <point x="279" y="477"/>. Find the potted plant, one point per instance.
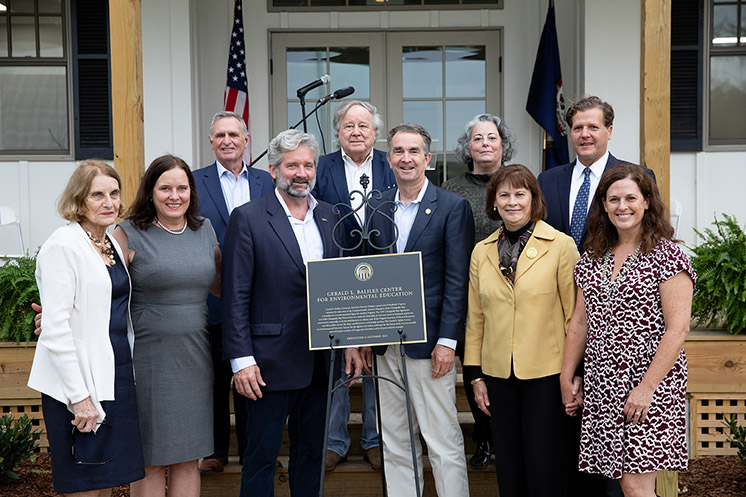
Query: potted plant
<point x="17" y="291"/>
<point x="716" y="353"/>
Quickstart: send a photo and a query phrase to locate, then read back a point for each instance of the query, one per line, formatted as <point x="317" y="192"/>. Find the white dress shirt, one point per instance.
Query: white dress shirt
<point x="353" y="173"/>
<point x="235" y="190"/>
<point x="311" y="246"/>
<point x="404" y="217"/>
<point x="597" y="170"/>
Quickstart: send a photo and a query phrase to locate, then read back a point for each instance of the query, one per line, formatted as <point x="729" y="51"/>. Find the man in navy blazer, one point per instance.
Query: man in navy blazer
<point x="265" y="323"/>
<point x="356" y="124"/>
<point x="222" y="186"/>
<point x="438" y="224"/>
<point x="591" y="121"/>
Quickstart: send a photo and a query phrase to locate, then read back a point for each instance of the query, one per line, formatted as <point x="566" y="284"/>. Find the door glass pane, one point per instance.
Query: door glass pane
<point x="350" y="66"/>
<point x="294" y="116"/>
<point x="454" y="167"/>
<point x="3" y="37"/>
<point x="724" y="25"/>
<point x="303" y="66"/>
<point x="23" y="33"/>
<point x="430" y="116"/>
<point x="465" y="72"/>
<point x="458" y="113"/>
<point x="50" y="36"/>
<point x="22" y="6"/>
<point x="727" y="99"/>
<point x="33" y="120"/>
<point x="422" y="71"/>
<point x="325" y="3"/>
<point x="50" y="6"/>
<point x="436" y="171"/>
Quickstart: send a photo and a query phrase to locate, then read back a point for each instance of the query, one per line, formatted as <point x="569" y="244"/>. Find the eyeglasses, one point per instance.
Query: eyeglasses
<point x="82" y="456"/>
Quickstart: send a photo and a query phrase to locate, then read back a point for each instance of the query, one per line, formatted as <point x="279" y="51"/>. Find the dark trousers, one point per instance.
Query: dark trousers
<point x="586" y="484"/>
<point x="221" y="419"/>
<point x="305" y="410"/>
<point x="530" y="429"/>
<point x="482" y="428"/>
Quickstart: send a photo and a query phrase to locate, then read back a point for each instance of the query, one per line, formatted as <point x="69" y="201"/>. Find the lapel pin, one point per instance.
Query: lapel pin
<point x="324" y="219"/>
<point x="428" y="211"/>
<point x="531" y="252"/>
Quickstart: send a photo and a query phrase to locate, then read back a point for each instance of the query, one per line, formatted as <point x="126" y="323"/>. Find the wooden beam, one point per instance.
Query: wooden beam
<point x="655" y="127"/>
<point x="125" y="28"/>
<point x="655" y="95"/>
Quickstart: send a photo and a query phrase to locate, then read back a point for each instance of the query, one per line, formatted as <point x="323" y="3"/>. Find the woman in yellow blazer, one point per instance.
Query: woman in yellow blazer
<point x="521" y="298"/>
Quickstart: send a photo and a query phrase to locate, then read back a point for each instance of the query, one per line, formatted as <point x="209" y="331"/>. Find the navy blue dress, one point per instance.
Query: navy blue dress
<point x="112" y="456"/>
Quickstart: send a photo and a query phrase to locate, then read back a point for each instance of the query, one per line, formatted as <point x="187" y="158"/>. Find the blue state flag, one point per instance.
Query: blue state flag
<point x="546" y="103"/>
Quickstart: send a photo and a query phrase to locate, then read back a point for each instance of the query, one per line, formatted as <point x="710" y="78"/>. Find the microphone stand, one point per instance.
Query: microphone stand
<point x="319" y="104"/>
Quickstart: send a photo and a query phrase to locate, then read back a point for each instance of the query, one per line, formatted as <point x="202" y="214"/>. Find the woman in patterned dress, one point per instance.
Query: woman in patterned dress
<point x="630" y="322"/>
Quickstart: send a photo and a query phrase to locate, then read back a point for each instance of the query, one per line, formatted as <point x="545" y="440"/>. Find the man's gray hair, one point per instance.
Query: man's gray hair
<point x="222" y="115"/>
<point x="463" y="145"/>
<point x="342" y="109"/>
<point x="289" y="140"/>
<point x="415" y="129"/>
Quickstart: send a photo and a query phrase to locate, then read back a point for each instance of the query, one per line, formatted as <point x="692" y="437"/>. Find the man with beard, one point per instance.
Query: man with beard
<point x="265" y="327"/>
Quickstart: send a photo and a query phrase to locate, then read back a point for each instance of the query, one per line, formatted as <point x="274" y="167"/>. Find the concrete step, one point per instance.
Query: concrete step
<point x="353" y="478"/>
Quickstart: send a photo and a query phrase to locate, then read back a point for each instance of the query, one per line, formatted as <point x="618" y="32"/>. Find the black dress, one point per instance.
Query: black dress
<point x="112" y="456"/>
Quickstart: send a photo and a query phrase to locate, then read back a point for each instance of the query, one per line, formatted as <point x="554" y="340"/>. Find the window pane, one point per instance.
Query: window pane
<point x="422" y="72"/>
<point x="33" y="120"/>
<point x="22" y="6"/>
<point x="325" y="3"/>
<point x="441" y="2"/>
<point x="3" y="37"/>
<point x="429" y="115"/>
<point x="313" y="127"/>
<point x="50" y="37"/>
<point x="290" y="3"/>
<point x="23" y="33"/>
<point x="465" y="71"/>
<point x="454" y="167"/>
<point x="50" y="6"/>
<point x="725" y="25"/>
<point x="435" y="172"/>
<point x="458" y="113"/>
<point x="303" y="66"/>
<point x="350" y="66"/>
<point x="728" y="99"/>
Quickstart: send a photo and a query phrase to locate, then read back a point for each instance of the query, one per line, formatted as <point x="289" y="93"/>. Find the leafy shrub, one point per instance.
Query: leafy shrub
<point x="17" y="290"/>
<point x="737" y="437"/>
<point x="720" y="264"/>
<point x="17" y="443"/>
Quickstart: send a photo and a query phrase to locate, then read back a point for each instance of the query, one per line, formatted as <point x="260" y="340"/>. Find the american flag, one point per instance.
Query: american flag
<point x="237" y="88"/>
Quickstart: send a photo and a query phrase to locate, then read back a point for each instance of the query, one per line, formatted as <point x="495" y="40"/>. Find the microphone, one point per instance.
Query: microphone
<point x="313" y="84"/>
<point x="341" y="93"/>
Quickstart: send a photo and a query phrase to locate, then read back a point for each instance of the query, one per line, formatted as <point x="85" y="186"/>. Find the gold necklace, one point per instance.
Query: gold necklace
<point x="104" y="247"/>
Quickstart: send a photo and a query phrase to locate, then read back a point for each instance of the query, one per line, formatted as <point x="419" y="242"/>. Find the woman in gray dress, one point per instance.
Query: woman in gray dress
<point x="174" y="261"/>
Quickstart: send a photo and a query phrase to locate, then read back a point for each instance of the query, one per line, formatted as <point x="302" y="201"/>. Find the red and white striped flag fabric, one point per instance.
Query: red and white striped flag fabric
<point x="237" y="87"/>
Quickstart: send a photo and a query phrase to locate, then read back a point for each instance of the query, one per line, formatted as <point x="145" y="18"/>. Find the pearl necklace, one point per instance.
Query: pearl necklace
<point x="104" y="247"/>
<point x="609" y="287"/>
<point x="173" y="232"/>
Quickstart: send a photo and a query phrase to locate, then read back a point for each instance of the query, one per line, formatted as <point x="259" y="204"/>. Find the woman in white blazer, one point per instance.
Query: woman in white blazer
<point x="83" y="361"/>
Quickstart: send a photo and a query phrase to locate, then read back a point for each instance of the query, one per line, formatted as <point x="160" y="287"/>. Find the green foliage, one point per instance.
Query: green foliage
<point x="17" y="443"/>
<point x="737" y="437"/>
<point x="17" y="290"/>
<point x="720" y="264"/>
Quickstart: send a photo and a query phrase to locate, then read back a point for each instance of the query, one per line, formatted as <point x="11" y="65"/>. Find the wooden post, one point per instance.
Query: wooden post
<point x="655" y="127"/>
<point x="126" y="93"/>
<point x="655" y="86"/>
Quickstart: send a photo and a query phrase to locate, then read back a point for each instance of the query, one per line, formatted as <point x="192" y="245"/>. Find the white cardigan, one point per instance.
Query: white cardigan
<point x="74" y="358"/>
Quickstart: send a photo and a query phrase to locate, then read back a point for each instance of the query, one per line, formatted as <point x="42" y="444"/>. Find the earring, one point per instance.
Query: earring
<point x="494" y="209"/>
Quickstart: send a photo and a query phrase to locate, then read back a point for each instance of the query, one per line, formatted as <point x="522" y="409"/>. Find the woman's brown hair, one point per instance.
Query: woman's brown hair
<point x="602" y="234"/>
<point x="517" y="176"/>
<point x="142" y="212"/>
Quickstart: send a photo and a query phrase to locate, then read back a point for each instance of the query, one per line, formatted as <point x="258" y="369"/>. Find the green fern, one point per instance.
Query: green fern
<point x="737" y="436"/>
<point x="17" y="291"/>
<point x="720" y="264"/>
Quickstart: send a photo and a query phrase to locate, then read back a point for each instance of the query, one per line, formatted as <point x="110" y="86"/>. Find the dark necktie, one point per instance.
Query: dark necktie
<point x="579" y="212"/>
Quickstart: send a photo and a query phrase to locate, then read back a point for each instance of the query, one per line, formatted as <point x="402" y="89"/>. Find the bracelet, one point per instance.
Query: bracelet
<point x="476" y="380"/>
